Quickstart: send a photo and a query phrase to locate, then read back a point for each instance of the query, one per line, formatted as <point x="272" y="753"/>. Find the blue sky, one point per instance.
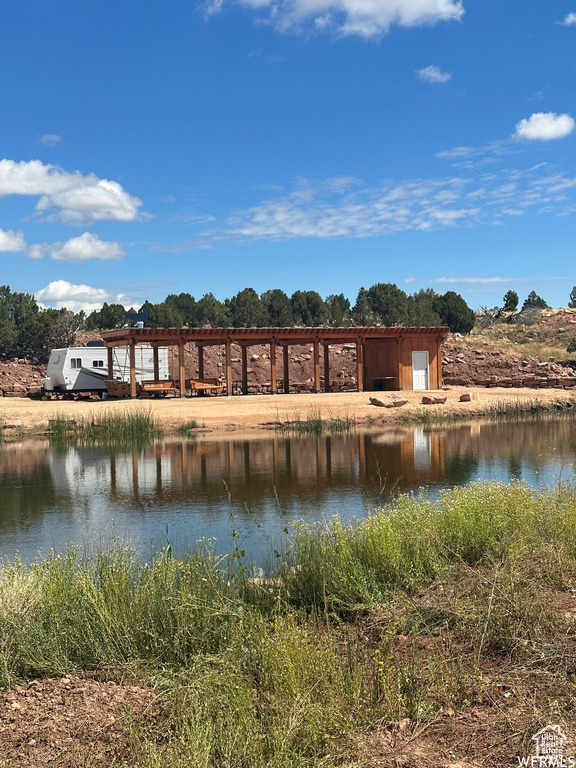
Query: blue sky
<point x="151" y="148"/>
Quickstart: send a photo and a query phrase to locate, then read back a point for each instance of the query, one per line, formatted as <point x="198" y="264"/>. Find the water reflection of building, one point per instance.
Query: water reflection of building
<point x="291" y="468"/>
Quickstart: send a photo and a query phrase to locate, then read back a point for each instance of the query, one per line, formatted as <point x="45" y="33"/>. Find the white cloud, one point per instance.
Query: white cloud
<point x="50" y="139"/>
<point x="480" y="280"/>
<point x="433" y="74"/>
<point x="545" y="126"/>
<point x="320" y="209"/>
<point x="569" y="20"/>
<point x="12" y="242"/>
<point x="87" y="246"/>
<point x="61" y="293"/>
<point x="69" y="197"/>
<point x="365" y="18"/>
<point x="182" y="247"/>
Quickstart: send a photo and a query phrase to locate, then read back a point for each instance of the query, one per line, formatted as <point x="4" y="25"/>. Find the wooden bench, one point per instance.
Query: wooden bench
<point x="117" y="388"/>
<point x="154" y="388"/>
<point x="204" y="386"/>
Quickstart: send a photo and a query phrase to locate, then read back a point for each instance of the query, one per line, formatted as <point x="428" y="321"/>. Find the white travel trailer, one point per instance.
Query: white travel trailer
<point x="85" y="369"/>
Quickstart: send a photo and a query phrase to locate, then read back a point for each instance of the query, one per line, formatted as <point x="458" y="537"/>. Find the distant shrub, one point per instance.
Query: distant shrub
<point x="571" y="345"/>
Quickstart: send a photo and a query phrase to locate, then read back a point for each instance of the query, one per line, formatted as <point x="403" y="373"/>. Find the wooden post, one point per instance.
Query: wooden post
<point x="200" y="361"/>
<point x="316" y="365"/>
<point x="286" y="356"/>
<point x="228" y="367"/>
<point x="244" y="369"/>
<point x="156" y="363"/>
<point x="182" y="368"/>
<point x="359" y="366"/>
<point x="439" y="381"/>
<point x="273" y="377"/>
<point x="110" y="351"/>
<point x="326" y="368"/>
<point x="132" y="368"/>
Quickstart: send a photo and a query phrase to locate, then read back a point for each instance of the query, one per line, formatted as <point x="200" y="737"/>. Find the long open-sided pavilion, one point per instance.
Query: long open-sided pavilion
<point x="386" y="358"/>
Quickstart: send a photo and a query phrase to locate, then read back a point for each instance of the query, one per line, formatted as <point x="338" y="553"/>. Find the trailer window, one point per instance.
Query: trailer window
<point x="97" y="363"/>
<point x="76" y="362"/>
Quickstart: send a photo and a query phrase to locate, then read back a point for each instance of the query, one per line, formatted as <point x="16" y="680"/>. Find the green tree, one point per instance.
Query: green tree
<point x="210" y="311"/>
<point x="362" y="313"/>
<point x="278" y="307"/>
<point x="454" y="312"/>
<point x="247" y="310"/>
<point x="162" y="315"/>
<point x="572" y="302"/>
<point x="510" y="301"/>
<point x="421" y="312"/>
<point x="339" y="309"/>
<point x="16" y="311"/>
<point x="389" y="304"/>
<point x="309" y="309"/>
<point x="533" y="301"/>
<point x="110" y="317"/>
<point x="185" y="305"/>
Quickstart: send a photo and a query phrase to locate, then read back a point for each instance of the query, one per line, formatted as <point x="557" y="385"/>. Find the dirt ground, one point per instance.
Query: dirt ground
<point x="70" y="722"/>
<point x="103" y="720"/>
<point x="256" y="412"/>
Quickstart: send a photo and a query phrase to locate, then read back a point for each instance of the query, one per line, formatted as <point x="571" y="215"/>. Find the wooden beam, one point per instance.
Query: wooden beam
<point x="326" y="368"/>
<point x="156" y="363"/>
<point x="182" y="368"/>
<point x="359" y="365"/>
<point x="132" y="368"/>
<point x="228" y="366"/>
<point x="286" y="360"/>
<point x="200" y="361"/>
<point x="316" y="365"/>
<point x="110" y="352"/>
<point x="244" y="351"/>
<point x="273" y="376"/>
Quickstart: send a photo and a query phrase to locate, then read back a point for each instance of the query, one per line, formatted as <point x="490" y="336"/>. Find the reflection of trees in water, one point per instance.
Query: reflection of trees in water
<point x="460" y="467"/>
<point x="26" y="484"/>
<point x="515" y="466"/>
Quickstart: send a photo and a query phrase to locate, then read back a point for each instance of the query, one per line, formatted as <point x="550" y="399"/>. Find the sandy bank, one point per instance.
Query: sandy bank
<point x="263" y="411"/>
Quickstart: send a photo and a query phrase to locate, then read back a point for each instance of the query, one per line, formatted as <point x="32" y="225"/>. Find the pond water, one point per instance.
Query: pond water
<point x="247" y="492"/>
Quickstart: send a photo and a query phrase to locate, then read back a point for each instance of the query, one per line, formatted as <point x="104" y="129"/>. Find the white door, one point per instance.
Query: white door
<point x="419" y="370"/>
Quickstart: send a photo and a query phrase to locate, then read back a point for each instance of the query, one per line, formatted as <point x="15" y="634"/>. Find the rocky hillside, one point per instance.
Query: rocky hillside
<point x="514" y="354"/>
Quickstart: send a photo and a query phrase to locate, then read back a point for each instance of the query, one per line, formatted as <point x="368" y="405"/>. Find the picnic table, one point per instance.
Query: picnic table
<point x="157" y="387"/>
<point x="117" y="388"/>
<point x="206" y="386"/>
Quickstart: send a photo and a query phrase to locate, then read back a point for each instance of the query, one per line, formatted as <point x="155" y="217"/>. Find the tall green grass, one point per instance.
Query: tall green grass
<point x="314" y="424"/>
<point x="133" y="427"/>
<point x="501" y="409"/>
<point x="347" y="569"/>
<point x="290" y="670"/>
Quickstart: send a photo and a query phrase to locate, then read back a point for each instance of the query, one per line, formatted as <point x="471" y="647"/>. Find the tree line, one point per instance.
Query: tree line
<point x="382" y="304"/>
<point x="28" y="330"/>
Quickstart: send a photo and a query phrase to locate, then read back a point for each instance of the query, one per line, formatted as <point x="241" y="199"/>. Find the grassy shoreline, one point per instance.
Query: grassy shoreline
<point x="401" y="621"/>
